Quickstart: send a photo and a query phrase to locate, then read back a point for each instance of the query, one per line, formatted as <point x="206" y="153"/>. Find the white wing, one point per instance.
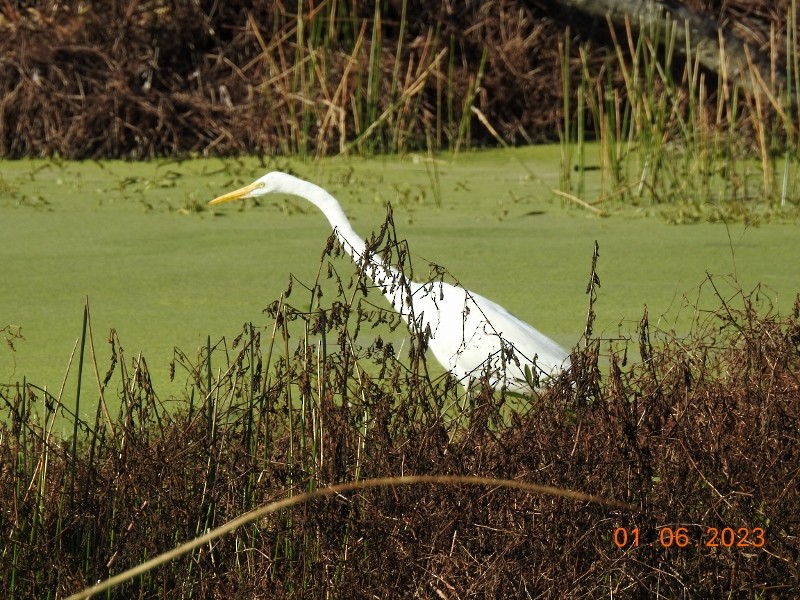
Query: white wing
<point x="470" y="334"/>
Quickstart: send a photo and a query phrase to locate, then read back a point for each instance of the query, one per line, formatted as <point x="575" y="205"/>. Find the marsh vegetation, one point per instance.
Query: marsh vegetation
<point x="167" y="404"/>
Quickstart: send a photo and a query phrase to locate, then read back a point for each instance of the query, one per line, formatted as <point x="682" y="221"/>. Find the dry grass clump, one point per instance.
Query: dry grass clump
<point x="696" y="432"/>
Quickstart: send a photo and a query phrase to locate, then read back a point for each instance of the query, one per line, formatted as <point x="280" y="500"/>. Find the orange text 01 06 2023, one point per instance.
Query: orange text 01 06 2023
<point x="680" y="537"/>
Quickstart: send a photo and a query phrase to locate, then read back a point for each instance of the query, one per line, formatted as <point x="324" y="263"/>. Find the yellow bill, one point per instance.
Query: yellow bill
<point x="236" y="194"/>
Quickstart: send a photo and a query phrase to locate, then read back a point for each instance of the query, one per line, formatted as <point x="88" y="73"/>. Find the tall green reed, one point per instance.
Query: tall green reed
<point x="659" y="136"/>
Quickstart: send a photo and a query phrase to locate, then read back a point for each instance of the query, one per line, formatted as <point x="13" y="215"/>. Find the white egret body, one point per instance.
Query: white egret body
<point x="469" y="335"/>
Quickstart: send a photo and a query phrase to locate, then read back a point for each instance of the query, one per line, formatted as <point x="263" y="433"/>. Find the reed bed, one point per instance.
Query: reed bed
<point x="335" y="78"/>
<point x="141" y="79"/>
<point x="308" y="79"/>
<point x="697" y="433"/>
<point x="666" y="131"/>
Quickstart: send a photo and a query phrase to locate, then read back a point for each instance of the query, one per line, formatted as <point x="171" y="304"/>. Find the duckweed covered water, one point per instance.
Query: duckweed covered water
<point x="161" y="269"/>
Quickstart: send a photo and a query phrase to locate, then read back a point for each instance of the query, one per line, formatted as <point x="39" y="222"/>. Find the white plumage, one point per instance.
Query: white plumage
<point x="469" y="335"/>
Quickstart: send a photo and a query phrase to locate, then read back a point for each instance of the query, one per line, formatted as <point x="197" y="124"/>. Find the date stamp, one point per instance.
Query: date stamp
<point x="680" y="537"/>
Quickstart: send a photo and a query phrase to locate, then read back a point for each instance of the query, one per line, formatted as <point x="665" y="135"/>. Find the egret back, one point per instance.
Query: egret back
<point x="471" y="335"/>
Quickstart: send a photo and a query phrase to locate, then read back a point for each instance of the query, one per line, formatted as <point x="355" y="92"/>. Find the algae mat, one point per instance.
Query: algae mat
<point x="137" y="240"/>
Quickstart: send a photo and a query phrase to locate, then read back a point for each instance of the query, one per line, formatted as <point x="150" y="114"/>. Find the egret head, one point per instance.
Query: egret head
<point x="271" y="183"/>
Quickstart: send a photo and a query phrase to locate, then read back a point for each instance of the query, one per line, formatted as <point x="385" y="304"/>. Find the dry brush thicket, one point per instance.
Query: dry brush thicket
<point x="138" y="79"/>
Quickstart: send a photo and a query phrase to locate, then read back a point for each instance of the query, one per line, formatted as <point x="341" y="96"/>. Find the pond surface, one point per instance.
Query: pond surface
<point x="137" y="240"/>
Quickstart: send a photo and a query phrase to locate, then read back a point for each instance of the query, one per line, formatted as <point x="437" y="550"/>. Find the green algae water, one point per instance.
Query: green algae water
<point x="163" y="271"/>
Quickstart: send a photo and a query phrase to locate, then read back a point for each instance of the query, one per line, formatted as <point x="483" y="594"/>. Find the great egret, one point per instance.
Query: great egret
<point x="468" y="334"/>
